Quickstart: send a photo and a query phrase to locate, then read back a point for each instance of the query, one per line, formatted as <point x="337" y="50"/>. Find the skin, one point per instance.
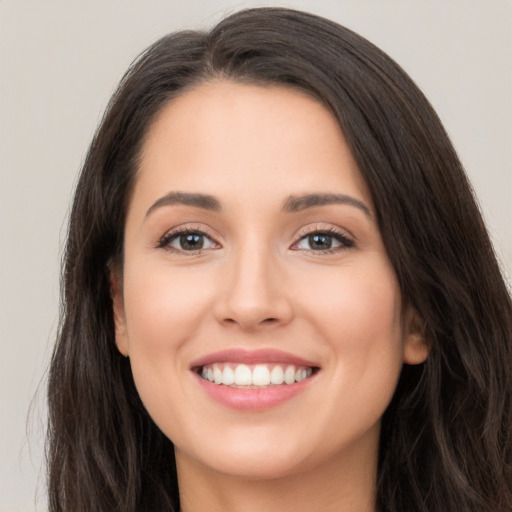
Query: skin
<point x="258" y="283"/>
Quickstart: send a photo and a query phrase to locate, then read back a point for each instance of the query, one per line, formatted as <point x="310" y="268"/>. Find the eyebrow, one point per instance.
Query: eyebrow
<point x="291" y="205"/>
<point x="203" y="201"/>
<point x="299" y="203"/>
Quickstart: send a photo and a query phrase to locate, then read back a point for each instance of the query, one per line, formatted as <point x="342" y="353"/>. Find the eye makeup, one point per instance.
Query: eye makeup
<point x="315" y="240"/>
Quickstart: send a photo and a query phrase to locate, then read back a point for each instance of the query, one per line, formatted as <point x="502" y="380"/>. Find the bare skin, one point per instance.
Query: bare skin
<point x="251" y="228"/>
<point x="331" y="488"/>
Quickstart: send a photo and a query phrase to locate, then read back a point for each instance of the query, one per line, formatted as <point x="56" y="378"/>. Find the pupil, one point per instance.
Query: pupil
<point x="191" y="241"/>
<point x="320" y="241"/>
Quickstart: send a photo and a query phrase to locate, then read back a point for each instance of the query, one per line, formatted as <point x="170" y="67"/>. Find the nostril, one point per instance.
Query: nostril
<point x="271" y="320"/>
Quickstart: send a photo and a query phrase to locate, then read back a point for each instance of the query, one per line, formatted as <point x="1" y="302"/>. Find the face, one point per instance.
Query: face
<point x="260" y="312"/>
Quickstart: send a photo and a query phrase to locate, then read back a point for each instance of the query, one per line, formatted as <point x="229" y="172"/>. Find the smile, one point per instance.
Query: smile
<point x="254" y="376"/>
<point x="253" y="380"/>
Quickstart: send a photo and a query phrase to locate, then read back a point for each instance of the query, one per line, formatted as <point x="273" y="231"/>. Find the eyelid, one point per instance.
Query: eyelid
<point x="319" y="227"/>
<point x="346" y="239"/>
<point x="164" y="241"/>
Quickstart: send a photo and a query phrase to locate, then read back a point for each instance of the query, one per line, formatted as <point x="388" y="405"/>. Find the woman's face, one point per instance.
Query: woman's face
<point x="253" y="259"/>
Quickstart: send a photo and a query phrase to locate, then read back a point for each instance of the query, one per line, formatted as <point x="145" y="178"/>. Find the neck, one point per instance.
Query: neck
<point x="347" y="485"/>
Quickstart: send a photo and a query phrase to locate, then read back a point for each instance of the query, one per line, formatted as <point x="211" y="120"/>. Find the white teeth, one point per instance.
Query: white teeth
<point x="303" y="373"/>
<point x="217" y="374"/>
<point x="228" y="376"/>
<point x="243" y="375"/>
<point x="259" y="375"/>
<point x="277" y="375"/>
<point x="289" y="375"/>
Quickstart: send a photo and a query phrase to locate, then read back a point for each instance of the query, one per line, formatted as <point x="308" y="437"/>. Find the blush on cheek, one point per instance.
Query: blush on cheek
<point x="165" y="307"/>
<point x="361" y="304"/>
<point x="362" y="313"/>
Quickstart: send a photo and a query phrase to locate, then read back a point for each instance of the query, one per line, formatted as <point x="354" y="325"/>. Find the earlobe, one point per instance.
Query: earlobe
<point x="417" y="346"/>
<point x="116" y="294"/>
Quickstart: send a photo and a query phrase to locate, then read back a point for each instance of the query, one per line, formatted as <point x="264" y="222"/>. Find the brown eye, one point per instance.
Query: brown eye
<point x="320" y="241"/>
<point x="323" y="241"/>
<point x="190" y="242"/>
<point x="187" y="241"/>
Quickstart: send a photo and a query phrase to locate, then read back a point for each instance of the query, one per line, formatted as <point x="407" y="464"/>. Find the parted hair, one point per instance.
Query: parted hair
<point x="446" y="439"/>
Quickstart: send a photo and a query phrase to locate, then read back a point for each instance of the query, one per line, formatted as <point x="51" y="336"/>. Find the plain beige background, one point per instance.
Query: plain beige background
<point x="60" y="61"/>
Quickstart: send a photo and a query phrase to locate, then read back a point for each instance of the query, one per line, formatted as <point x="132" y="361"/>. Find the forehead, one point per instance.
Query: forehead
<point x="229" y="137"/>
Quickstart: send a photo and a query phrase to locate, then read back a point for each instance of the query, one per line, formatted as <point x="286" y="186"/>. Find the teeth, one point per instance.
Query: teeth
<point x="289" y="375"/>
<point x="277" y="375"/>
<point x="260" y="375"/>
<point x="217" y="374"/>
<point x="228" y="376"/>
<point x="303" y="373"/>
<point x="243" y="375"/>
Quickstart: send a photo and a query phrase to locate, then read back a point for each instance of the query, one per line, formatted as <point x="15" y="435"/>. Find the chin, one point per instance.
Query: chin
<point x="258" y="466"/>
<point x="252" y="458"/>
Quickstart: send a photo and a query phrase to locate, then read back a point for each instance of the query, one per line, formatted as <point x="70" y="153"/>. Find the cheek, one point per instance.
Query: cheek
<point x="164" y="311"/>
<point x="362" y="301"/>
<point x="359" y="319"/>
<point x="374" y="312"/>
<point x="163" y="306"/>
<point x="358" y="311"/>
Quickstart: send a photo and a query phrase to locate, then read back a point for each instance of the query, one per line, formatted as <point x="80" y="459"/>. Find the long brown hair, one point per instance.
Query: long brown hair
<point x="446" y="442"/>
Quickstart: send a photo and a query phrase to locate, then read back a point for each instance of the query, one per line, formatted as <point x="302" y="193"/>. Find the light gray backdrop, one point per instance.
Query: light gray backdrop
<point x="60" y="61"/>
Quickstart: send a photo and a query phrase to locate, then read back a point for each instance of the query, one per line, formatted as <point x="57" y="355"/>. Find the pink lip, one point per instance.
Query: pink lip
<point x="242" y="356"/>
<point x="252" y="399"/>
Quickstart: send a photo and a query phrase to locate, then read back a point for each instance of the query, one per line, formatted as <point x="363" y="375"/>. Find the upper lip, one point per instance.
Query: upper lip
<point x="243" y="356"/>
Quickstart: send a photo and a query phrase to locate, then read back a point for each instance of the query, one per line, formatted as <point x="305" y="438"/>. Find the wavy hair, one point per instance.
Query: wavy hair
<point x="446" y="440"/>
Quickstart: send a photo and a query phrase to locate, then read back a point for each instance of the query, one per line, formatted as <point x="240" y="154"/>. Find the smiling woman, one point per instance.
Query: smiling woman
<point x="273" y="229"/>
<point x="260" y="296"/>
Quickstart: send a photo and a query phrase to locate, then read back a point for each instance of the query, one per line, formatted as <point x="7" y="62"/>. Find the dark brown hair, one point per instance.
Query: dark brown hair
<point x="446" y="442"/>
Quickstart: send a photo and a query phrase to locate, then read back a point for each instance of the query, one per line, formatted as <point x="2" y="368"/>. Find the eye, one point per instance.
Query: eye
<point x="323" y="241"/>
<point x="187" y="240"/>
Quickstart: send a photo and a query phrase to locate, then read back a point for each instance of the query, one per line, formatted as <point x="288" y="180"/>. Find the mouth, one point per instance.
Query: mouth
<point x="253" y="380"/>
<point x="254" y="376"/>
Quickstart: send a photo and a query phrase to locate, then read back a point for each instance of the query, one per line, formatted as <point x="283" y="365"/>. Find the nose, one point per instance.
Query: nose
<point x="253" y="293"/>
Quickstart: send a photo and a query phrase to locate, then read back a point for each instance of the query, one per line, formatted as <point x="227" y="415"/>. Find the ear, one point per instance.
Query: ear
<point x="417" y="347"/>
<point x="116" y="293"/>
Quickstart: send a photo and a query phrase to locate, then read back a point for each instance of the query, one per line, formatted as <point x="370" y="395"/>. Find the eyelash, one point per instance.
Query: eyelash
<point x="345" y="241"/>
<point x="166" y="240"/>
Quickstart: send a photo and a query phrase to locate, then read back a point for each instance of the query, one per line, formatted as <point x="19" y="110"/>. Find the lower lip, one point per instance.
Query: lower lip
<point x="253" y="399"/>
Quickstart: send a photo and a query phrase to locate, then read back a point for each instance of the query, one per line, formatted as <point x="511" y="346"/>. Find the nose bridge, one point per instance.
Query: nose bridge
<point x="253" y="292"/>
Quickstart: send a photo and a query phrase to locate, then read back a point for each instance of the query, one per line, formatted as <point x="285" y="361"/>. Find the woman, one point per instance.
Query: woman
<point x="278" y="290"/>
